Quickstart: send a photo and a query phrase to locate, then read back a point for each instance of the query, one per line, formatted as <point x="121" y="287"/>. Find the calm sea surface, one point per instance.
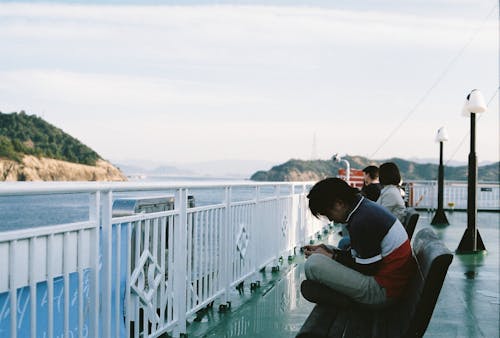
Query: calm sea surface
<point x="18" y="212"/>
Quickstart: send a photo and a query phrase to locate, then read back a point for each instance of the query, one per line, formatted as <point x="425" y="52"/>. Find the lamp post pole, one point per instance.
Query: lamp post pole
<point x="471" y="241"/>
<point x="472" y="178"/>
<point x="337" y="158"/>
<point x="347" y="171"/>
<point x="440" y="216"/>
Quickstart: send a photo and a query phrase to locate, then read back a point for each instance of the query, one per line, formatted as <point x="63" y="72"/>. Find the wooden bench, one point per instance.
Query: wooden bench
<point x="410" y="221"/>
<point x="337" y="316"/>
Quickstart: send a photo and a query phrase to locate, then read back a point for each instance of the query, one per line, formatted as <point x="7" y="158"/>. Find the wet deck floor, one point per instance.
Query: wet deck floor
<point x="468" y="306"/>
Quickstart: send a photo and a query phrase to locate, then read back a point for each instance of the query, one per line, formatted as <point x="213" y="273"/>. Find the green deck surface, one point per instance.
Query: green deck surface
<point x="468" y="306"/>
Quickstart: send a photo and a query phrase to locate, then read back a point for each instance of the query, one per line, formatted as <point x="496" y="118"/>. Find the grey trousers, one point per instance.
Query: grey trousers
<point x="361" y="288"/>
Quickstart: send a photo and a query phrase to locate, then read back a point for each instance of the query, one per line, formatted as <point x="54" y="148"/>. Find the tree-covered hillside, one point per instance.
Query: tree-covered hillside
<point x="22" y="134"/>
<point x="319" y="169"/>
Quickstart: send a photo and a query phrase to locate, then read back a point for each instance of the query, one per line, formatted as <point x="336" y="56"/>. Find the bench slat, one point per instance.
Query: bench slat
<point x="408" y="318"/>
<point x="318" y="322"/>
<point x="410" y="222"/>
<point x="339" y="324"/>
<point x="359" y="324"/>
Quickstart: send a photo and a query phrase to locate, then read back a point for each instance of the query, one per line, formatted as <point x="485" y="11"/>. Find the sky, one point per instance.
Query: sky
<point x="190" y="81"/>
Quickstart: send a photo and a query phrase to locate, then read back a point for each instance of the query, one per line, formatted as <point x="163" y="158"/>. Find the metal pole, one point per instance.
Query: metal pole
<point x="347" y="171"/>
<point x="440" y="216"/>
<point x="107" y="260"/>
<point x="471" y="241"/>
<point x="180" y="269"/>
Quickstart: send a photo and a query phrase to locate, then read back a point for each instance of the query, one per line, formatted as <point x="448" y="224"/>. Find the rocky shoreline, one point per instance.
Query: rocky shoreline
<point x="32" y="168"/>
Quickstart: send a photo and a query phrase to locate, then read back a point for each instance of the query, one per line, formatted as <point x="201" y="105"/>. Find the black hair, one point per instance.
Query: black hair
<point x="326" y="192"/>
<point x="389" y="174"/>
<point x="372" y="171"/>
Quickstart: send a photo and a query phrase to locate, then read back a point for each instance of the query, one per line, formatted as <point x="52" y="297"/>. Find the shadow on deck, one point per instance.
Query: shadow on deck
<point x="468" y="306"/>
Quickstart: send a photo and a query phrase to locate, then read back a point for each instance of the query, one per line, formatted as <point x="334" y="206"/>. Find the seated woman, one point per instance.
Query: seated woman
<point x="390" y="195"/>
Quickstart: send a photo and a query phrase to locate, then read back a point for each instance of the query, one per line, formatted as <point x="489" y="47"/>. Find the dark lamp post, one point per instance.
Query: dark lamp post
<point x="440" y="216"/>
<point x="471" y="241"/>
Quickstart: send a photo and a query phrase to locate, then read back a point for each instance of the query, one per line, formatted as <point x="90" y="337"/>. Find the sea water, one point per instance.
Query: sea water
<point x="20" y="212"/>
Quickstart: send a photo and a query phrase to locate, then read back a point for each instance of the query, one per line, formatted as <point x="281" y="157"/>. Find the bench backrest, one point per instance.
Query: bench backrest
<point x="433" y="259"/>
<point x="411" y="219"/>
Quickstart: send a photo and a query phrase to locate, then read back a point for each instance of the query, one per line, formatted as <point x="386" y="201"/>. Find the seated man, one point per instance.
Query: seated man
<point x="371" y="190"/>
<point x="371" y="185"/>
<point x="380" y="263"/>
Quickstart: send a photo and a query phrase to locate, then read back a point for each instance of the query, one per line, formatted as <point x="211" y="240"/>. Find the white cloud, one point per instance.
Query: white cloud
<point x="116" y="90"/>
<point x="190" y="28"/>
<point x="239" y="78"/>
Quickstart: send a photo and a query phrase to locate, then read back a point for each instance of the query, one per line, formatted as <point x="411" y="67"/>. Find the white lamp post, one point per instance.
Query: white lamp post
<point x="337" y="158"/>
<point x="471" y="241"/>
<point x="440" y="216"/>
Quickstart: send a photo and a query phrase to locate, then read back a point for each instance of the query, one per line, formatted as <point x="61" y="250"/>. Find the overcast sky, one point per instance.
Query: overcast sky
<point x="189" y="81"/>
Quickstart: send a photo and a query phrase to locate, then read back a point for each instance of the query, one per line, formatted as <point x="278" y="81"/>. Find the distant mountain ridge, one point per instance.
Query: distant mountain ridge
<point x="32" y="149"/>
<point x="228" y="168"/>
<point x="300" y="170"/>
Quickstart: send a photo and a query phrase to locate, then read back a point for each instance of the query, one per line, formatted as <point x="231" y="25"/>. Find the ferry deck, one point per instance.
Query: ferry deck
<point x="468" y="306"/>
<point x="113" y="269"/>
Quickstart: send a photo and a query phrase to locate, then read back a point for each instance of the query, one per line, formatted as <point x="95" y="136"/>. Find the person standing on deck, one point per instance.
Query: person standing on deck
<point x="380" y="263"/>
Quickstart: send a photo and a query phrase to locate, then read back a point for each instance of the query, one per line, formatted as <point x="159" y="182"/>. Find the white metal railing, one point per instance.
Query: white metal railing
<point x="141" y="275"/>
<point x="423" y="195"/>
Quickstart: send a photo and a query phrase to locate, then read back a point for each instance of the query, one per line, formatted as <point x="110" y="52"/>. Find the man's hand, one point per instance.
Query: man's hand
<point x="320" y="249"/>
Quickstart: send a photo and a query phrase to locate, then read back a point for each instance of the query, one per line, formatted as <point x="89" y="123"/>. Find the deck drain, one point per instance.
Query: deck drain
<point x="470" y="274"/>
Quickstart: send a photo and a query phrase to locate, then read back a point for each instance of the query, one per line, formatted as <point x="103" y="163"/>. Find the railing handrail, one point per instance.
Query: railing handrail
<point x="453" y="182"/>
<point x="44" y="188"/>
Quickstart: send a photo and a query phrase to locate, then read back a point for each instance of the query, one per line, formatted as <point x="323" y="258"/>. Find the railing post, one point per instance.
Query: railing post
<point x="33" y="305"/>
<point x="107" y="243"/>
<point x="303" y="215"/>
<point x="94" y="218"/>
<point x="279" y="221"/>
<point x="50" y="287"/>
<point x="13" y="288"/>
<point x="293" y="219"/>
<point x="256" y="232"/>
<point x="226" y="245"/>
<point x="180" y="270"/>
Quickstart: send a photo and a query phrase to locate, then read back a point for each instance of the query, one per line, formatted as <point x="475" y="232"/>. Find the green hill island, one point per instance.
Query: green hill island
<point x="32" y="149"/>
<point x="300" y="170"/>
